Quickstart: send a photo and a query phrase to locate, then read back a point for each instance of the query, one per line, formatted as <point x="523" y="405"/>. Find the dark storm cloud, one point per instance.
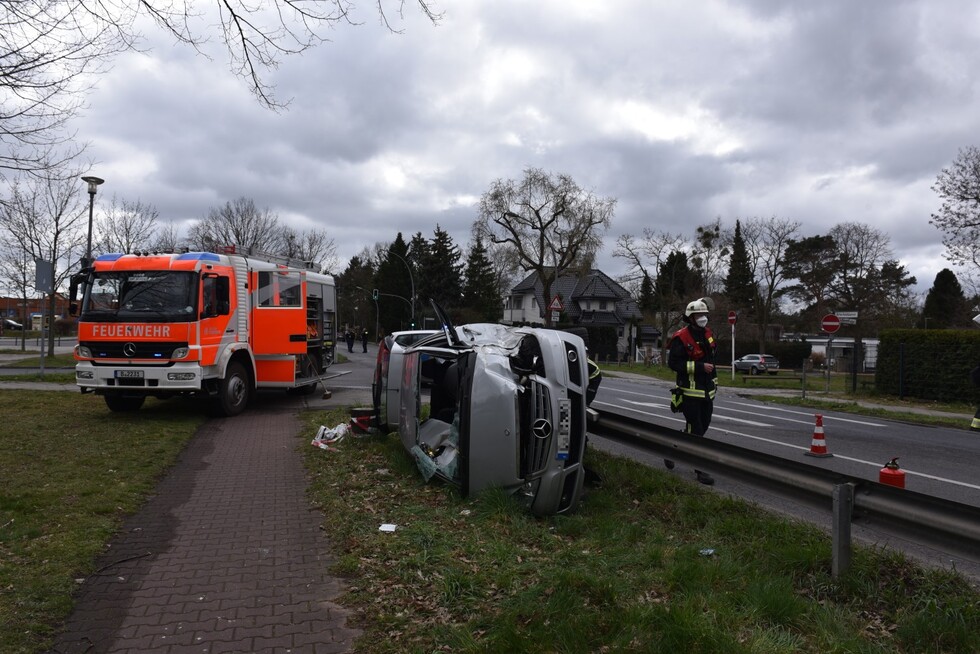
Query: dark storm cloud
<point x="816" y="112"/>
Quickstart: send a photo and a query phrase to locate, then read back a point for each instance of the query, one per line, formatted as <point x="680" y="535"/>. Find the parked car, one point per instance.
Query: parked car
<point x="12" y="324"/>
<point x="506" y="409"/>
<point x="756" y="364"/>
<point x="386" y="386"/>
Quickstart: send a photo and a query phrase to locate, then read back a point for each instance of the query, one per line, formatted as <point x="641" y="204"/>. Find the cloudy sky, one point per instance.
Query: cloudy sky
<point x="818" y="112"/>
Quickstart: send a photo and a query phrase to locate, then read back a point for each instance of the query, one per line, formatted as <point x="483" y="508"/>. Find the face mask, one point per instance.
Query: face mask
<point x="702" y="321"/>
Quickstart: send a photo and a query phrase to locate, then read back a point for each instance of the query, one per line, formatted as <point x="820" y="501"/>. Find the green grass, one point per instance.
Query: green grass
<point x="624" y="573"/>
<point x="71" y="470"/>
<point x="628" y="572"/>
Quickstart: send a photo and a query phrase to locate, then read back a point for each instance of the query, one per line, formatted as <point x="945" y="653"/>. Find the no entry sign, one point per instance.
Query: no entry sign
<point x="830" y="323"/>
<point x="732" y="317"/>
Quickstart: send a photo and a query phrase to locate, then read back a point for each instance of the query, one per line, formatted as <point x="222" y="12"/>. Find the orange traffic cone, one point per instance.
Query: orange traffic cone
<point x="818" y="447"/>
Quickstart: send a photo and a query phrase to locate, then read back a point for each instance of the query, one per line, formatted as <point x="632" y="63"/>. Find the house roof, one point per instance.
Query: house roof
<point x="593" y="285"/>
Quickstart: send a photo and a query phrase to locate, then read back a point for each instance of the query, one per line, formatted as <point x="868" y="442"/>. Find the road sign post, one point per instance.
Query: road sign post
<point x="830" y="323"/>
<point x="732" y="319"/>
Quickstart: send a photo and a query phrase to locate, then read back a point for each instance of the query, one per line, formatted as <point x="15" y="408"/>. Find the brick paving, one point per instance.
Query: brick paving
<point x="226" y="556"/>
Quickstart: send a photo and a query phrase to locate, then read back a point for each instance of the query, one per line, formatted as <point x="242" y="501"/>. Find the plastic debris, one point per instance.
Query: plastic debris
<point x="707" y="552"/>
<point x="387" y="527"/>
<point x="326" y="437"/>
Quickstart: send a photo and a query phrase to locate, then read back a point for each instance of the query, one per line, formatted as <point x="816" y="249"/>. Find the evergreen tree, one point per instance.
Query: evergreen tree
<point x="481" y="293"/>
<point x="811" y="263"/>
<point x="440" y="272"/>
<point x="946" y="304"/>
<point x="418" y="252"/>
<point x="740" y="285"/>
<point x="673" y="278"/>
<point x="647" y="301"/>
<point x="355" y="307"/>
<point x="395" y="280"/>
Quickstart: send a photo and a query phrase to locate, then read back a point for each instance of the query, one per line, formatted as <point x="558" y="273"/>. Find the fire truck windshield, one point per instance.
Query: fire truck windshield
<point x="146" y="296"/>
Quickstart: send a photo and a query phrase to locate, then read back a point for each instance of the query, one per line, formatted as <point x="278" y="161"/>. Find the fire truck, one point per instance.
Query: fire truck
<point x="221" y="325"/>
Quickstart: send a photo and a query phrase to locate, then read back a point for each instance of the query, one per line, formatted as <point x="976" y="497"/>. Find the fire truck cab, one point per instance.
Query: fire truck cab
<point x="216" y="324"/>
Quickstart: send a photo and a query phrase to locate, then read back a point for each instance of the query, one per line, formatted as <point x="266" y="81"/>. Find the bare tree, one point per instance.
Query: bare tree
<point x="44" y="219"/>
<point x="958" y="186"/>
<point x="48" y="52"/>
<point x="547" y="221"/>
<point x="766" y="240"/>
<point x="127" y="226"/>
<point x="239" y="223"/>
<point x="313" y="245"/>
<point x="51" y="51"/>
<point x="167" y="238"/>
<point x="647" y="257"/>
<point x="710" y="251"/>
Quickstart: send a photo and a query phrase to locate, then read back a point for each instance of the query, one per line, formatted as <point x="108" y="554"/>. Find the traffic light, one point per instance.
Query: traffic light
<point x="375" y="294"/>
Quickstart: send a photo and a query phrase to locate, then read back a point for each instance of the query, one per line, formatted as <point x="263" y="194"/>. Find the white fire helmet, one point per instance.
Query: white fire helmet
<point x="696" y="306"/>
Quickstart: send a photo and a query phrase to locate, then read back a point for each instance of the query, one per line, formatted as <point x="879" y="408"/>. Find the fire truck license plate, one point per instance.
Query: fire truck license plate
<point x="129" y="374"/>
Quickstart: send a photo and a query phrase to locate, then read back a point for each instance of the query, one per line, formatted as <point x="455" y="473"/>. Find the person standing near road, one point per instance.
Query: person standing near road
<point x="364" y="340"/>
<point x="691" y="355"/>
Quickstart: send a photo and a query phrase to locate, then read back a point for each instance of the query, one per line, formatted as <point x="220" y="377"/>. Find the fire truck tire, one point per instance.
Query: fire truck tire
<point x="234" y="391"/>
<point x="124" y="403"/>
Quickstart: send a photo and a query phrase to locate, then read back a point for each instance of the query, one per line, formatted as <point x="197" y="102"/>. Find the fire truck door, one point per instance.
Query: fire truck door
<point x="215" y="316"/>
<point x="279" y="317"/>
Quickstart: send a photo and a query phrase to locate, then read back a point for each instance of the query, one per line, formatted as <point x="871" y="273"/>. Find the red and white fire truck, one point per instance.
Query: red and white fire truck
<point x="216" y="324"/>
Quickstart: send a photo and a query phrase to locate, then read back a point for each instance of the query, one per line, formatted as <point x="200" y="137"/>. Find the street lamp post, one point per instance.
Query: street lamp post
<point x="93" y="185"/>
<point x="411" y="278"/>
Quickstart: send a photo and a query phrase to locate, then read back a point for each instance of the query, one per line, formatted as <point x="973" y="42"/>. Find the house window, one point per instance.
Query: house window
<point x="602" y="305"/>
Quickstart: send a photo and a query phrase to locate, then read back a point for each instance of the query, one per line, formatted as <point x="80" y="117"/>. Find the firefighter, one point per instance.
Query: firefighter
<point x="691" y="355"/>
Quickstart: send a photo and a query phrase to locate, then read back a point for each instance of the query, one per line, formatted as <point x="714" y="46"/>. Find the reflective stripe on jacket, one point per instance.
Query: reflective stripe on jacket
<point x="687" y="355"/>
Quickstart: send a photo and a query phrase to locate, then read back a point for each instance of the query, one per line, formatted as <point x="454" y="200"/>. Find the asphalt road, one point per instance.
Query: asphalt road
<point x="937" y="461"/>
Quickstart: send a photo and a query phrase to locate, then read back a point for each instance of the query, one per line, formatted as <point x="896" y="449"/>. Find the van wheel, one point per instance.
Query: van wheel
<point x="234" y="391"/>
<point x="123" y="403"/>
<point x="753" y="371"/>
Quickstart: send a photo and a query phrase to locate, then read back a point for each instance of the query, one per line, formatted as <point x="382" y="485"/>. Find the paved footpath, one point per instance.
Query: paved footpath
<point x="227" y="556"/>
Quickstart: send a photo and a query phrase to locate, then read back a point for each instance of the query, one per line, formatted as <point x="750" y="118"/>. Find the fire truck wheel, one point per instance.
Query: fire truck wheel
<point x="233" y="394"/>
<point x="123" y="403"/>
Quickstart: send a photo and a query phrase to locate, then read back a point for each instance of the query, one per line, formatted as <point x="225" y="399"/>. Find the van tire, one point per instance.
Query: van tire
<point x="234" y="391"/>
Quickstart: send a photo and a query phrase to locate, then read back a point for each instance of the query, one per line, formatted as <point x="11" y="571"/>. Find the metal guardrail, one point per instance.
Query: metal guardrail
<point x="950" y="526"/>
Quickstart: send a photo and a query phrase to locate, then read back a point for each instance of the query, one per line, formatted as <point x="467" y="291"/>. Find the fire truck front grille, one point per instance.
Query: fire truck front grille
<point x="161" y="351"/>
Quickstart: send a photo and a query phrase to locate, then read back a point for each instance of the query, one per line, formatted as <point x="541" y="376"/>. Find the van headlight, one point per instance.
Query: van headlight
<point x="84" y="374"/>
<point x="83" y="351"/>
<point x="180" y="376"/>
<point x="180" y="353"/>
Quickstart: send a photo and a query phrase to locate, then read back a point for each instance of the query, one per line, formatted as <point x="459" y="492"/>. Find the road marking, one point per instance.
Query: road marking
<point x="811" y="413"/>
<point x="874" y="464"/>
<point x="718" y="416"/>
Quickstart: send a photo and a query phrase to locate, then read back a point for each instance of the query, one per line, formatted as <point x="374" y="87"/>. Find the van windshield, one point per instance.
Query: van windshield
<point x="145" y="296"/>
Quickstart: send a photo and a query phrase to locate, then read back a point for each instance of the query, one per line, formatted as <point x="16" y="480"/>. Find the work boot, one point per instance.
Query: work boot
<point x="669" y="464"/>
<point x="704" y="478"/>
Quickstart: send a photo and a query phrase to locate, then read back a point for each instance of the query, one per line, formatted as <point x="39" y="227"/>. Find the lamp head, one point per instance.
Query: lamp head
<point x="93" y="183"/>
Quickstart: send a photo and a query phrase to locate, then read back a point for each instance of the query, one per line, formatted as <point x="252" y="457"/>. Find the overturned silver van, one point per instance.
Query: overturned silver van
<point x="506" y="409"/>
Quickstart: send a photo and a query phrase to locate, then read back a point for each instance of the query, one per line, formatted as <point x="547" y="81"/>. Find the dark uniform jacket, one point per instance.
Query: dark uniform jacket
<point x="690" y="348"/>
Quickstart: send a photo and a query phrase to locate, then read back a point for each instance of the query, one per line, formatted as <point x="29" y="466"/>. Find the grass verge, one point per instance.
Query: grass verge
<point x="647" y="563"/>
<point x="70" y="472"/>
